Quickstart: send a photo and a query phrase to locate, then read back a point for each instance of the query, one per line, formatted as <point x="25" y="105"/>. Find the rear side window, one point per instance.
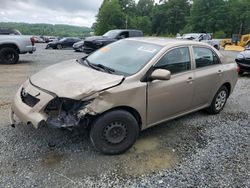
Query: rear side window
<point x="124" y="34"/>
<point x="135" y="34"/>
<point x="205" y="57"/>
<point x="175" y="61"/>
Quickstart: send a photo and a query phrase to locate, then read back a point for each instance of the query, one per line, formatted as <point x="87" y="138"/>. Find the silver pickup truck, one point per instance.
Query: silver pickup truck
<point x="201" y="37"/>
<point x="13" y="45"/>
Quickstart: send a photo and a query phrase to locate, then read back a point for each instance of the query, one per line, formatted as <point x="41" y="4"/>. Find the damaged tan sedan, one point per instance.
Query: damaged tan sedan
<point x="126" y="87"/>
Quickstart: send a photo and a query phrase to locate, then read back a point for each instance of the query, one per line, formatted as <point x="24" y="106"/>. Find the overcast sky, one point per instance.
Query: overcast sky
<point x="72" y="12"/>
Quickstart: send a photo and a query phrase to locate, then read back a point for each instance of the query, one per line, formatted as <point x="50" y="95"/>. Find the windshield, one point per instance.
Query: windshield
<point x="125" y="56"/>
<point x="63" y="39"/>
<point x="111" y="34"/>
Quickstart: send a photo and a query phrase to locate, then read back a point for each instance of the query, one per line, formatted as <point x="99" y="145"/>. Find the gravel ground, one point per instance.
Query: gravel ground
<point x="197" y="150"/>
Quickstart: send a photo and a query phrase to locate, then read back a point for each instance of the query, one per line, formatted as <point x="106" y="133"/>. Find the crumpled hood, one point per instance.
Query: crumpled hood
<point x="70" y="79"/>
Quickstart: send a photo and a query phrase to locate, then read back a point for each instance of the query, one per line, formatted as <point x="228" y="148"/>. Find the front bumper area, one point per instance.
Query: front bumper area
<point x="27" y="114"/>
<point x="244" y="65"/>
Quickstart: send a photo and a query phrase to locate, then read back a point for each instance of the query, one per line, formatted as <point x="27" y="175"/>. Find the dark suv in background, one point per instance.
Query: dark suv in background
<point x="7" y="31"/>
<point x="66" y="42"/>
<point x="91" y="44"/>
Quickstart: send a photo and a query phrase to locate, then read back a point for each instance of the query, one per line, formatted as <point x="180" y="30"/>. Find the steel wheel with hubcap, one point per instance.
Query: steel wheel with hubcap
<point x="114" y="132"/>
<point x="219" y="101"/>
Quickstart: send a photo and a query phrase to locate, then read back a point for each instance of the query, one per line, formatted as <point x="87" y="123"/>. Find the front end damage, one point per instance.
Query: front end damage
<point x="37" y="107"/>
<point x="67" y="113"/>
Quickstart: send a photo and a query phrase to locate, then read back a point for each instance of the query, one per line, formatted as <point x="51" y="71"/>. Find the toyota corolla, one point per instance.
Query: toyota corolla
<point x="126" y="87"/>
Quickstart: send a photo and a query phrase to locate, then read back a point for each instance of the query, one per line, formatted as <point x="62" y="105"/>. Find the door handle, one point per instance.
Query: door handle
<point x="190" y="80"/>
<point x="220" y="72"/>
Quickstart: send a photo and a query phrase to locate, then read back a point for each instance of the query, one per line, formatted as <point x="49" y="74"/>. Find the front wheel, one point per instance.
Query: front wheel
<point x="59" y="47"/>
<point x="114" y="132"/>
<point x="9" y="56"/>
<point x="219" y="101"/>
<point x="240" y="73"/>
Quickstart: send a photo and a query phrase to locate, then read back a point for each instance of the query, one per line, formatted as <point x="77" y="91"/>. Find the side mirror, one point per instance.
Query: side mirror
<point x="160" y="74"/>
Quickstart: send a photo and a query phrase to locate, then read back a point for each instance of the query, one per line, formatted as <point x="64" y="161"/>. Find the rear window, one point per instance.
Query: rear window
<point x="136" y="34"/>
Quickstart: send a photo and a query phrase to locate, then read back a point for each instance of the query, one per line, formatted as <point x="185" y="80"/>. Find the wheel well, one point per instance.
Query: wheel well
<point x="228" y="86"/>
<point x="131" y="110"/>
<point x="10" y="46"/>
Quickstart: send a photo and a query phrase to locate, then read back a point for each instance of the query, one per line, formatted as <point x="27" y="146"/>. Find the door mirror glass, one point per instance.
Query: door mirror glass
<point x="160" y="74"/>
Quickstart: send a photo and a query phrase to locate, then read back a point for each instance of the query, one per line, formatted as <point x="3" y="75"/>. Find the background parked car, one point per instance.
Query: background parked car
<point x="93" y="43"/>
<point x="78" y="46"/>
<point x="66" y="42"/>
<point x="38" y="39"/>
<point x="202" y="37"/>
<point x="7" y="31"/>
<point x="243" y="61"/>
<point x="13" y="45"/>
<point x="48" y="39"/>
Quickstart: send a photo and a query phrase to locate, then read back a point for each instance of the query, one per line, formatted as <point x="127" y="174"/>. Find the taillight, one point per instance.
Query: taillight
<point x="32" y="39"/>
<point x="237" y="69"/>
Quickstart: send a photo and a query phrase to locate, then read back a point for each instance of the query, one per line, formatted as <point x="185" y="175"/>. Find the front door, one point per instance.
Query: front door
<point x="171" y="97"/>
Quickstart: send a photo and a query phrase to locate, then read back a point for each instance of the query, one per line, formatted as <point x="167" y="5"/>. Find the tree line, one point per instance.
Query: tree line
<point x="169" y="17"/>
<point x="48" y="29"/>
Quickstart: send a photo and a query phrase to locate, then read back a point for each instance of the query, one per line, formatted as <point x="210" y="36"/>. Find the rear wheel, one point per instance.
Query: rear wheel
<point x="9" y="56"/>
<point x="59" y="47"/>
<point x="219" y="101"/>
<point x="114" y="132"/>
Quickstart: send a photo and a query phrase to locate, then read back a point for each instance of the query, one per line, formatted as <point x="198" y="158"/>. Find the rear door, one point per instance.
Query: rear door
<point x="208" y="75"/>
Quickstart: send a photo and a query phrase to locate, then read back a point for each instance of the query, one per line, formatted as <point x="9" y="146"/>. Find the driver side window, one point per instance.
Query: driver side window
<point x="124" y="34"/>
<point x="175" y="61"/>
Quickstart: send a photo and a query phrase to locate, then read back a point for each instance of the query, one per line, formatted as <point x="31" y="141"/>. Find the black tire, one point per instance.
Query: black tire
<point x="114" y="132"/>
<point x="214" y="108"/>
<point x="216" y="47"/>
<point x="9" y="55"/>
<point x="240" y="73"/>
<point x="59" y="46"/>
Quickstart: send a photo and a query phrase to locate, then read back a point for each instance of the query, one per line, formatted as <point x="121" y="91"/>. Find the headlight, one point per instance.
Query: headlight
<point x="240" y="56"/>
<point x="65" y="104"/>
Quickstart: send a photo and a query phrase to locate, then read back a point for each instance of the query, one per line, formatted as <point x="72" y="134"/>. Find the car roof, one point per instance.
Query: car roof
<point x="126" y="30"/>
<point x="166" y="41"/>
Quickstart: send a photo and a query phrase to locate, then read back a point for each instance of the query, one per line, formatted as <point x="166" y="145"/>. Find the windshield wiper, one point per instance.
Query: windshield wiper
<point x="103" y="67"/>
<point x="99" y="67"/>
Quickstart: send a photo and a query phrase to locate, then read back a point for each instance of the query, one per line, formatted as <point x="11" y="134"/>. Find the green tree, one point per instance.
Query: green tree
<point x="110" y="16"/>
<point x="144" y="7"/>
<point x="208" y="16"/>
<point x="239" y="15"/>
<point x="170" y="17"/>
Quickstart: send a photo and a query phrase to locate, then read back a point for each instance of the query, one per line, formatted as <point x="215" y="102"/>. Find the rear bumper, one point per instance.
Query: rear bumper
<point x="29" y="49"/>
<point x="26" y="113"/>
